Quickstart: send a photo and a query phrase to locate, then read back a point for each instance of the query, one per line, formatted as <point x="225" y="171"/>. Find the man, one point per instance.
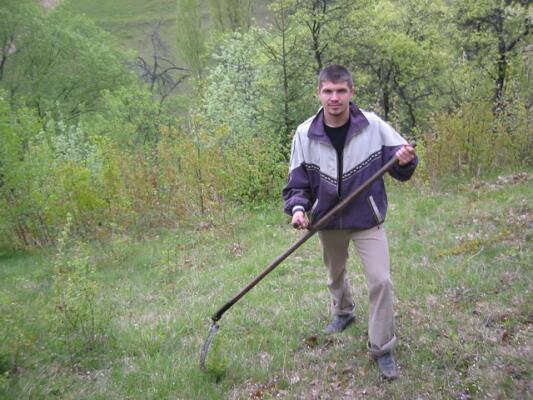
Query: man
<point x="333" y="153"/>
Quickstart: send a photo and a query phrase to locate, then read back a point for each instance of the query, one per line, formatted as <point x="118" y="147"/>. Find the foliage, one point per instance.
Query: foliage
<point x="16" y="339"/>
<point x="190" y="37"/>
<point x="130" y="118"/>
<point x="471" y="141"/>
<point x="59" y="61"/>
<point x="246" y="90"/>
<point x="25" y="166"/>
<point x="231" y="15"/>
<point x="399" y="59"/>
<point x="494" y="30"/>
<point x="236" y="81"/>
<point x="255" y="170"/>
<point x="457" y="143"/>
<point x="204" y="168"/>
<point x="79" y="135"/>
<point x="80" y="313"/>
<point x="81" y="141"/>
<point x="294" y="75"/>
<point x="48" y="169"/>
<point x="326" y="23"/>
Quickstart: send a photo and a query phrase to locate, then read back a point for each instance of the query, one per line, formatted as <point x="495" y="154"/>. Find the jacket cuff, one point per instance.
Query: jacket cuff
<point x="297" y="208"/>
<point x="410" y="164"/>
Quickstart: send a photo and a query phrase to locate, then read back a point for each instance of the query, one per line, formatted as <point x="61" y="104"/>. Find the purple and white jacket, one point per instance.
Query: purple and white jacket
<point x="312" y="184"/>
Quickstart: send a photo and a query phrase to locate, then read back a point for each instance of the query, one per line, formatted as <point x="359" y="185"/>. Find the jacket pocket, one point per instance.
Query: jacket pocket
<point x="375" y="210"/>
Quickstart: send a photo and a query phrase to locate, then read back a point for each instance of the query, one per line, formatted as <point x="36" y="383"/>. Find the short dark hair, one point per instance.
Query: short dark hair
<point x="335" y="73"/>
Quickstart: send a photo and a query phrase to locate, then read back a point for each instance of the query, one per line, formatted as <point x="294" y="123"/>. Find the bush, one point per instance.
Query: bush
<point x="474" y="141"/>
<point x="81" y="315"/>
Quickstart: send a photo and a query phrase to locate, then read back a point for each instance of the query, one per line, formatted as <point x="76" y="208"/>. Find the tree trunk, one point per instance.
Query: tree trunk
<point x="501" y="63"/>
<point x="285" y="75"/>
<point x="386" y="103"/>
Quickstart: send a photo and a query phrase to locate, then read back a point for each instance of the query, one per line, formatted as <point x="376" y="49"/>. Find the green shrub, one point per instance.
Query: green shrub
<point x="26" y="162"/>
<point x="475" y="141"/>
<point x="81" y="316"/>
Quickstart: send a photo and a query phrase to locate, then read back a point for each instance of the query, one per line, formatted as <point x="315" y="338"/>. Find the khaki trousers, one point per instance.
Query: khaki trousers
<point x="373" y="250"/>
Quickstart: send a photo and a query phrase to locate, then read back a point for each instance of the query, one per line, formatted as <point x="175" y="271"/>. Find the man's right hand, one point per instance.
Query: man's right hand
<point x="299" y="220"/>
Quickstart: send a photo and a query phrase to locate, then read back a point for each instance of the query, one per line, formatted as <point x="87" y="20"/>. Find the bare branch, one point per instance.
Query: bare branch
<point x="161" y="72"/>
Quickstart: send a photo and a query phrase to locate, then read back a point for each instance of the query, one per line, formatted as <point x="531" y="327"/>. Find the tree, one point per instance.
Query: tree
<point x="494" y="30"/>
<point x="397" y="53"/>
<point x="231" y="15"/>
<point x="294" y="79"/>
<point x="190" y="37"/>
<point x="160" y="71"/>
<point x="57" y="61"/>
<point x="282" y="55"/>
<point x="16" y="17"/>
<point x="234" y="87"/>
<point x="325" y="21"/>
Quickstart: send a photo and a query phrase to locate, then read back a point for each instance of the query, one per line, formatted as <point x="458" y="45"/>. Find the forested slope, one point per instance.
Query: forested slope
<point x="140" y="176"/>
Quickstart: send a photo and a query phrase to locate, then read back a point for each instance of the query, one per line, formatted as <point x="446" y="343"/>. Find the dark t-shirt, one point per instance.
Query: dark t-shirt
<point x="337" y="136"/>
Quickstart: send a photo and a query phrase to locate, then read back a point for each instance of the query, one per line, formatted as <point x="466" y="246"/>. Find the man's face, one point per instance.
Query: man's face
<point x="335" y="97"/>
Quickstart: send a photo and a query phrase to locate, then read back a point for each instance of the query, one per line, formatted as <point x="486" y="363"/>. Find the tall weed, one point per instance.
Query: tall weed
<point x="15" y="338"/>
<point x="475" y="141"/>
<point x="81" y="316"/>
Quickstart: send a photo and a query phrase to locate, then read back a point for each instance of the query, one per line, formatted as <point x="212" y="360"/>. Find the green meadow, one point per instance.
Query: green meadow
<point x="125" y="317"/>
<point x="131" y="22"/>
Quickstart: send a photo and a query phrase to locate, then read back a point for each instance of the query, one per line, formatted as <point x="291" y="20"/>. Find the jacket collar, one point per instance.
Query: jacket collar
<point x="357" y="123"/>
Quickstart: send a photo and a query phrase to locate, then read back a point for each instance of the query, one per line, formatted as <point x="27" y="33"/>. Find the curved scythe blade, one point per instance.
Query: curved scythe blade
<point x="207" y="344"/>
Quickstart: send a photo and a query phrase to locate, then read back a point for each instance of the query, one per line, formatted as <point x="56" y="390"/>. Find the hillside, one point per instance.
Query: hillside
<point x="133" y="324"/>
<point x="126" y="221"/>
<point x="131" y="21"/>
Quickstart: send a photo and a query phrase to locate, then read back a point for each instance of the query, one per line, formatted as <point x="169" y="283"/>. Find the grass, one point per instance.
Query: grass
<point x="130" y="21"/>
<point x="461" y="264"/>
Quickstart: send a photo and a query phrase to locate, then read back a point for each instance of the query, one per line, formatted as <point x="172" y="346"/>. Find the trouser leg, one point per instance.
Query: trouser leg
<point x="335" y="253"/>
<point x="373" y="249"/>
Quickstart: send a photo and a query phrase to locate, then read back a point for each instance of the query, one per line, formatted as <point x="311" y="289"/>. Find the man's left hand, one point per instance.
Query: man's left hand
<point x="406" y="154"/>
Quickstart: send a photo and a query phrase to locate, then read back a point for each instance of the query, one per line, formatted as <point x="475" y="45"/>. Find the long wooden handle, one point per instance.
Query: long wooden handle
<point x="322" y="222"/>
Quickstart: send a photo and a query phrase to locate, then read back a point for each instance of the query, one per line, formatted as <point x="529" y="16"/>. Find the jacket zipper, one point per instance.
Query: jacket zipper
<point x="339" y="179"/>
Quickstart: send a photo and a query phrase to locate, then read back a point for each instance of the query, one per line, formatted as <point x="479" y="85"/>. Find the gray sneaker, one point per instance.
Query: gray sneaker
<point x="387" y="366"/>
<point x="339" y="323"/>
